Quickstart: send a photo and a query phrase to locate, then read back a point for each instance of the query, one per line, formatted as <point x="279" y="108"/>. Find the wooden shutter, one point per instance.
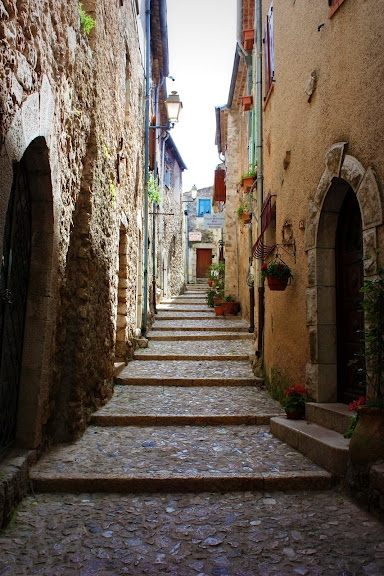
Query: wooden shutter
<point x="219" y="194"/>
<point x="269" y="51"/>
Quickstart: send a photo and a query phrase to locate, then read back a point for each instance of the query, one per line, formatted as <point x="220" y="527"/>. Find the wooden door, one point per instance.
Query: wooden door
<point x="349" y="280"/>
<point x="203" y="261"/>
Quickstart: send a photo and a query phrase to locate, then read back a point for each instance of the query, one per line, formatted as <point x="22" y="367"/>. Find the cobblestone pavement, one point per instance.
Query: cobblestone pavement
<point x="234" y="534"/>
<point x="179" y="474"/>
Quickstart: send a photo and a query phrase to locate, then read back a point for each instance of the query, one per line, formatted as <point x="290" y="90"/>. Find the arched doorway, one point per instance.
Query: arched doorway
<point x="29" y="273"/>
<point x="349" y="315"/>
<point x="341" y="239"/>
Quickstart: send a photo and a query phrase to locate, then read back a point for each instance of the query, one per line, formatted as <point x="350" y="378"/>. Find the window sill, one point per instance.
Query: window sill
<point x="267" y="97"/>
<point x="335" y="8"/>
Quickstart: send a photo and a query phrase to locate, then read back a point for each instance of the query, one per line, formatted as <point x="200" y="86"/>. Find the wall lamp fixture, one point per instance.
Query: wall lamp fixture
<point x="173" y="106"/>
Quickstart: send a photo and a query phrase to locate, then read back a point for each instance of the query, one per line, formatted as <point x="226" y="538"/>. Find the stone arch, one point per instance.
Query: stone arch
<point x="30" y="137"/>
<point x="342" y="172"/>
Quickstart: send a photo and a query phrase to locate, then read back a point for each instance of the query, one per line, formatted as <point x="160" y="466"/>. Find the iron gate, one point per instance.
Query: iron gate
<point x="13" y="299"/>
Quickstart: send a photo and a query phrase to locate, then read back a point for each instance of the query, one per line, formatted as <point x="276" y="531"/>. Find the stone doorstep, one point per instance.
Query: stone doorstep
<point x="198" y="336"/>
<point x="165" y="381"/>
<point x="313" y="480"/>
<point x="190" y="357"/>
<point x="334" y="416"/>
<point x="14" y="481"/>
<point x="193" y="316"/>
<point x="325" y="447"/>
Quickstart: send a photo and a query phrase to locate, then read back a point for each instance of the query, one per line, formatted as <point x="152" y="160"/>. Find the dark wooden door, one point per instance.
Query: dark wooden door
<point x="13" y="301"/>
<point x="349" y="280"/>
<point x="203" y="261"/>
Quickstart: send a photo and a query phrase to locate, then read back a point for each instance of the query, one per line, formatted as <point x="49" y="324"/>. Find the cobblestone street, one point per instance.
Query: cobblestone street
<point x="179" y="474"/>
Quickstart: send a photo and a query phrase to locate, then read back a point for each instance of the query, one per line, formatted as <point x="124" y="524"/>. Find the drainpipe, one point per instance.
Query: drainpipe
<point x="259" y="158"/>
<point x="146" y="160"/>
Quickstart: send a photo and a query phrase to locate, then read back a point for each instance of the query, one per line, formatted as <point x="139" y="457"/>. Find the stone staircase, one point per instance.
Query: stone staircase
<point x="187" y="415"/>
<point x="320" y="436"/>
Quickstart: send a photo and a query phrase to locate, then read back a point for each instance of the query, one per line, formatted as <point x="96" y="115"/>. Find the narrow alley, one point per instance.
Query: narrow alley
<point x="180" y="474"/>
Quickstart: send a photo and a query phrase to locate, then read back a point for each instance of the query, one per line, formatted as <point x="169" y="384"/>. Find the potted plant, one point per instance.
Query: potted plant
<point x="248" y="179"/>
<point x="230" y="305"/>
<point x="294" y="402"/>
<point x="277" y="274"/>
<point x="367" y="434"/>
<point x="215" y="275"/>
<point x="244" y="212"/>
<point x="219" y="311"/>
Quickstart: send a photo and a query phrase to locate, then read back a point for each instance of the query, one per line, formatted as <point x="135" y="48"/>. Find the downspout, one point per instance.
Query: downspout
<point x="146" y="161"/>
<point x="259" y="159"/>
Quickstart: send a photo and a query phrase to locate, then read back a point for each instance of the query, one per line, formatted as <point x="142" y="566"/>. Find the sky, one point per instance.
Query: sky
<point x="201" y="43"/>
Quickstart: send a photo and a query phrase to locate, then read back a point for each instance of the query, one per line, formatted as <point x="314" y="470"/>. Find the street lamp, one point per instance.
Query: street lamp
<point x="193" y="193"/>
<point x="173" y="106"/>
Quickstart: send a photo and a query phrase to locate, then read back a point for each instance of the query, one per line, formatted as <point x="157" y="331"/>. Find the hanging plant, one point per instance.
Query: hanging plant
<point x="154" y="192"/>
<point x="87" y="22"/>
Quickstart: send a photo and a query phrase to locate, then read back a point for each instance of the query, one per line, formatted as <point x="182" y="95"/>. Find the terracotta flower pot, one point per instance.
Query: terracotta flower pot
<point x="279" y="284"/>
<point x="247" y="182"/>
<point x="230" y="308"/>
<point x="367" y="442"/>
<point x="217" y="300"/>
<point x="296" y="414"/>
<point x="248" y="38"/>
<point x="209" y="282"/>
<point x="247" y="102"/>
<point x="246" y="218"/>
<point x="219" y="310"/>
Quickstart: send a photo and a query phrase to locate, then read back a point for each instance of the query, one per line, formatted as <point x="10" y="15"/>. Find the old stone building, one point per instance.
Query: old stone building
<point x="315" y="122"/>
<point x="72" y="205"/>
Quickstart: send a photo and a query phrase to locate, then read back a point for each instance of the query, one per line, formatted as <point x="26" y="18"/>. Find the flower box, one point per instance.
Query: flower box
<point x="248" y="39"/>
<point x="247" y="102"/>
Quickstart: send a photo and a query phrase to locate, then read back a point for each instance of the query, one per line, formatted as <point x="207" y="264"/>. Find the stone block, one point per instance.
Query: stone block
<point x="352" y="171"/>
<point x="369" y="199"/>
<point x="30" y="118"/>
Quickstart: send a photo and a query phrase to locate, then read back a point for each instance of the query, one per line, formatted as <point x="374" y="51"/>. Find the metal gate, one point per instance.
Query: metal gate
<point x="13" y="299"/>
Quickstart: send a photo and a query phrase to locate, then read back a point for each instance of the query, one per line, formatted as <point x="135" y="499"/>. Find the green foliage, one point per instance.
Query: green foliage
<point x="276" y="269"/>
<point x="229" y="298"/>
<point x="112" y="189"/>
<point x="210" y="295"/>
<point x="249" y="174"/>
<point x="154" y="192"/>
<point x="352" y="425"/>
<point x="87" y="22"/>
<point x="370" y="361"/>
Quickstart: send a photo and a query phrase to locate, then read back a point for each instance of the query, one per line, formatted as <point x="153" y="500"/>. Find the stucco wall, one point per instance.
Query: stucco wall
<point x="346" y="57"/>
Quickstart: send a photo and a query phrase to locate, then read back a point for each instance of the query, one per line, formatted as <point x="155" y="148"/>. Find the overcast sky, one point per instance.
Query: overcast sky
<point x="202" y="43"/>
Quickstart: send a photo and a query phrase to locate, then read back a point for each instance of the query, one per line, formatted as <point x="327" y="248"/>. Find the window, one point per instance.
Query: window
<point x="167" y="177"/>
<point x="204" y="206"/>
<point x="269" y="53"/>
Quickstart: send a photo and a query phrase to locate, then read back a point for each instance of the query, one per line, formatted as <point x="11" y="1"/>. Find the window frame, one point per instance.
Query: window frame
<point x="269" y="60"/>
<point x="200" y="201"/>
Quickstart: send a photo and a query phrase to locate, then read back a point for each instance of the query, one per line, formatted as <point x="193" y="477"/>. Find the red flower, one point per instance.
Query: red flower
<point x="360" y="402"/>
<point x="264" y="266"/>
<point x="296" y="391"/>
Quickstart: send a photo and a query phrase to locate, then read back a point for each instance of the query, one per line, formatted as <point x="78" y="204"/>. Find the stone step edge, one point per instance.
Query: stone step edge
<point x="325" y="447"/>
<point x="204" y="337"/>
<point x="194" y="357"/>
<point x="314" y="480"/>
<point x="105" y="420"/>
<point x="240" y="329"/>
<point x="186" y="382"/>
<point x="334" y="416"/>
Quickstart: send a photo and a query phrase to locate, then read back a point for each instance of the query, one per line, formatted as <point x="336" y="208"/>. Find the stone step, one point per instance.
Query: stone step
<point x="176" y="335"/>
<point x="188" y="373"/>
<point x="335" y="416"/>
<point x="325" y="447"/>
<point x="205" y="349"/>
<point x="176" y="458"/>
<point x="169" y="315"/>
<point x="215" y="324"/>
<point x="173" y="405"/>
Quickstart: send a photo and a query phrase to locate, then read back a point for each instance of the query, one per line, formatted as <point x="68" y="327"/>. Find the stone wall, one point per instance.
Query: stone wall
<point x="82" y="96"/>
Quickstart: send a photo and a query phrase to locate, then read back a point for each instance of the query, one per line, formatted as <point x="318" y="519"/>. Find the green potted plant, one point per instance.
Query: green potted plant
<point x="244" y="212"/>
<point x="367" y="433"/>
<point x="230" y="305"/>
<point x="248" y="179"/>
<point x="294" y="402"/>
<point x="277" y="274"/>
